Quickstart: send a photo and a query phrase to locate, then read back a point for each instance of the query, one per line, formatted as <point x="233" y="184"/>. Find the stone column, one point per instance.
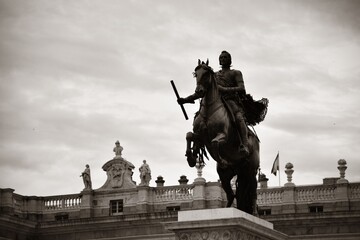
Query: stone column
<point x="199" y="193"/>
<point x="342" y="197"/>
<point x="289" y="191"/>
<point x="199" y="187"/>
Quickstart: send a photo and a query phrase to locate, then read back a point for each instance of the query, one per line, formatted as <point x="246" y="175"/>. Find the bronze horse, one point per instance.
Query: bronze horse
<point x="214" y="129"/>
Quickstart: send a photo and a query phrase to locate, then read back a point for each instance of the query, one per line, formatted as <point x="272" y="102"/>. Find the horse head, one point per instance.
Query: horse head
<point x="202" y="73"/>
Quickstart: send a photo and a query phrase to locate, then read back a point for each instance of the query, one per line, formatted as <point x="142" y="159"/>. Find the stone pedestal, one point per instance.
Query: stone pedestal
<point x="86" y="207"/>
<point x="143" y="199"/>
<point x="222" y="224"/>
<point x="288" y="205"/>
<point x="160" y="181"/>
<point x="263" y="181"/>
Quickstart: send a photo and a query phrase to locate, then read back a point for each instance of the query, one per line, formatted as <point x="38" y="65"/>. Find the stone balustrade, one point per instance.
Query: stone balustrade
<point x="354" y="191"/>
<point x="269" y="196"/>
<point x="304" y="194"/>
<point x="62" y="202"/>
<point x="19" y="204"/>
<point x="163" y="195"/>
<point x="315" y="193"/>
<point x="174" y="193"/>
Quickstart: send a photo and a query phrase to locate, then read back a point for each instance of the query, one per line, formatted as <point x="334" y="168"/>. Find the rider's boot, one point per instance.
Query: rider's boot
<point x="243" y="134"/>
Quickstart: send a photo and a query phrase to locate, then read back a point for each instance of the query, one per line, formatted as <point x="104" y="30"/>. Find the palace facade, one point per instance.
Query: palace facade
<point x="120" y="209"/>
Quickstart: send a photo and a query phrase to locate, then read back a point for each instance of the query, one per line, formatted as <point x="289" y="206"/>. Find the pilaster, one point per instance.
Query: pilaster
<point x="143" y="199"/>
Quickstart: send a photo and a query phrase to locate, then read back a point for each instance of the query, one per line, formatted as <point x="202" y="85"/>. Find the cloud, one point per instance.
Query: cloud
<point x="76" y="77"/>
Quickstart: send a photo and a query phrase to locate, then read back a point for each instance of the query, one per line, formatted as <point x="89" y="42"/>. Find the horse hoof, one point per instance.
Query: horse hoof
<point x="191" y="161"/>
<point x="230" y="201"/>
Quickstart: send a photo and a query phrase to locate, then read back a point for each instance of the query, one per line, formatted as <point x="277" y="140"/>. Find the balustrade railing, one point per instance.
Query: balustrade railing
<point x="179" y="193"/>
<point x="269" y="196"/>
<point x="315" y="193"/>
<point x="174" y="193"/>
<point x="62" y="202"/>
<point x="354" y="191"/>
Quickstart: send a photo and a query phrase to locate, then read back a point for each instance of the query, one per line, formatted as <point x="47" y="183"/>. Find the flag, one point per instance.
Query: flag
<point x="275" y="166"/>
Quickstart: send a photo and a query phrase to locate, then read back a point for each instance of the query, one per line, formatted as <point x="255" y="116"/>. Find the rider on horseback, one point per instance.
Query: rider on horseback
<point x="220" y="127"/>
<point x="232" y="89"/>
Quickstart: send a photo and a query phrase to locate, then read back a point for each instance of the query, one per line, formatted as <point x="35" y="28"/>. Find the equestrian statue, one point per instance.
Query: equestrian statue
<point x="221" y="126"/>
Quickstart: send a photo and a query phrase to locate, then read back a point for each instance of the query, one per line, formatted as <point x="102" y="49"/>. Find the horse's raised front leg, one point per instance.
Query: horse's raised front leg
<point x="191" y="154"/>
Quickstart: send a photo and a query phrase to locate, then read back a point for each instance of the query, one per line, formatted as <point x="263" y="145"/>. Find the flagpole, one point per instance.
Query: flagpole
<point x="279" y="170"/>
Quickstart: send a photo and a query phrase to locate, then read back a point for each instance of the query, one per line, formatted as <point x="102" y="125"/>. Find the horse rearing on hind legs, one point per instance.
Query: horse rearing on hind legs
<point x="214" y="129"/>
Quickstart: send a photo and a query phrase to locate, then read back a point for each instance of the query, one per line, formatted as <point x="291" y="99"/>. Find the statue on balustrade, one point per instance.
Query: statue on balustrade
<point x="118" y="150"/>
<point x="145" y="174"/>
<point x="221" y="126"/>
<point x="86" y="177"/>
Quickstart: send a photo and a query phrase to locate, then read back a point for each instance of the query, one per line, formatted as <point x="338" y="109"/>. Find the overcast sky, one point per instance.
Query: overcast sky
<point x="75" y="76"/>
